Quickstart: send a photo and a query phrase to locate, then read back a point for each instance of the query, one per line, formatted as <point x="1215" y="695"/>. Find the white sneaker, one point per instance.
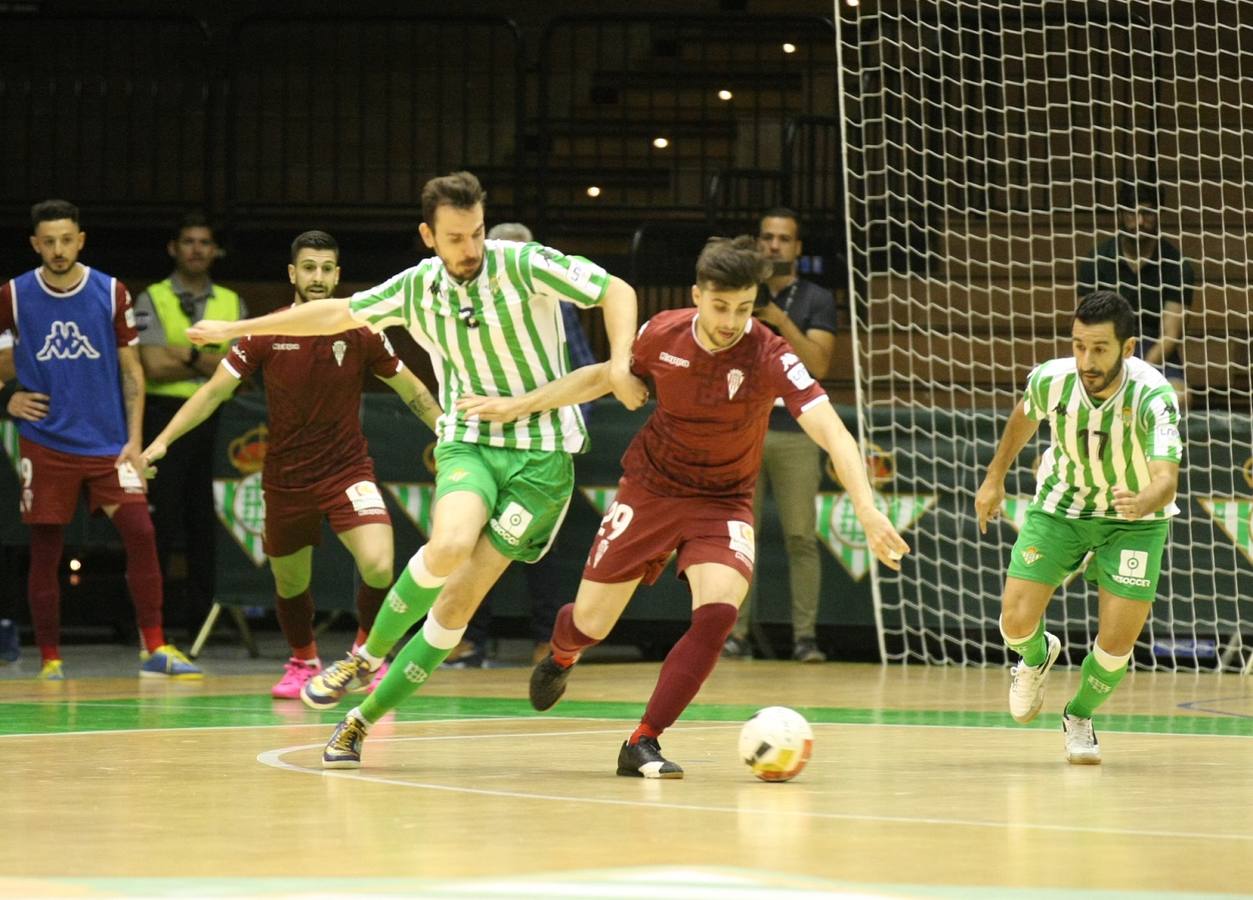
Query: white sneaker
<point x="1082" y="747"/>
<point x="1026" y="692"/>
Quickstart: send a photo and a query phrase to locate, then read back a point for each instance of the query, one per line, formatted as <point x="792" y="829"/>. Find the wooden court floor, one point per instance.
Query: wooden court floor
<point x="920" y="786"/>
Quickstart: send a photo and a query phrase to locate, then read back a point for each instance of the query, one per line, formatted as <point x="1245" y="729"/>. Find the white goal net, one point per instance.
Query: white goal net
<point x="986" y="146"/>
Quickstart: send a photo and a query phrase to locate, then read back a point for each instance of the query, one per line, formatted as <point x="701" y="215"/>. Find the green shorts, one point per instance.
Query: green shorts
<point x="1126" y="556"/>
<point x="527" y="492"/>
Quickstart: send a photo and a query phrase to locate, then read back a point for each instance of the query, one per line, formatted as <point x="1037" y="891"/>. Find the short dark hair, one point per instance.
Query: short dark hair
<point x="1108" y="306"/>
<point x="52" y="211"/>
<point x="1133" y="195"/>
<point x="192" y="219"/>
<point x="732" y="263"/>
<point x="314" y="240"/>
<point x="781" y="212"/>
<point x="460" y="190"/>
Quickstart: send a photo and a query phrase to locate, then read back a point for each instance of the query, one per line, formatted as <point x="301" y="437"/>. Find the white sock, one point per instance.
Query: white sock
<point x="438" y="636"/>
<point x="421" y="574"/>
<point x="1108" y="661"/>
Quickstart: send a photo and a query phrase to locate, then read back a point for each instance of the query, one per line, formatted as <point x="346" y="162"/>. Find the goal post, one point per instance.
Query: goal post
<point x="985" y="148"/>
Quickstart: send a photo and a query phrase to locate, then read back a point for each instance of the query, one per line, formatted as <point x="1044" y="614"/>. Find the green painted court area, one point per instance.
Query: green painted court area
<point x="62" y="715"/>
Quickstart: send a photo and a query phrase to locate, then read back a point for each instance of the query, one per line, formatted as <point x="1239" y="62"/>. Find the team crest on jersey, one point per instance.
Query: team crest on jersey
<point x="1126" y="417"/>
<point x="65" y="341"/>
<point x="1032" y="555"/>
<point x="734" y="379"/>
<point x="339" y="348"/>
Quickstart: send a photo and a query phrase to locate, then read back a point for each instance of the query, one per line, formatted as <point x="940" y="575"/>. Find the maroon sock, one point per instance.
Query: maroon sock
<point x="43" y="589"/>
<point x="686" y="667"/>
<point x="143" y="571"/>
<point x="369" y="602"/>
<point x="295" y="618"/>
<point x="568" y="642"/>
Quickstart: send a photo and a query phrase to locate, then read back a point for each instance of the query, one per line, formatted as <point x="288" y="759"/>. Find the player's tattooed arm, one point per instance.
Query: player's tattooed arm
<point x="132" y="378"/>
<point x="414" y="393"/>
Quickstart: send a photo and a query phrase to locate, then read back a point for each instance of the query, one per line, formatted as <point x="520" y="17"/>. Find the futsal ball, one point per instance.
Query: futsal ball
<point x="776" y="743"/>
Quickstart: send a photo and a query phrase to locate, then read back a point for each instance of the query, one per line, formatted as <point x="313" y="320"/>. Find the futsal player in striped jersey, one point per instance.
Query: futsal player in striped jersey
<point x="486" y="312"/>
<point x="1106" y="486"/>
<point x="688" y="481"/>
<point x="79" y="399"/>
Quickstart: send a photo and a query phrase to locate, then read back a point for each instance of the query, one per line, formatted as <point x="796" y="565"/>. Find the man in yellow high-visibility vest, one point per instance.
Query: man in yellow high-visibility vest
<point x="183" y="500"/>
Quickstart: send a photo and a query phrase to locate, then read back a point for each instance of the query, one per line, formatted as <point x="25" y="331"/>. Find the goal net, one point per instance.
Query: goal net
<point x="986" y="145"/>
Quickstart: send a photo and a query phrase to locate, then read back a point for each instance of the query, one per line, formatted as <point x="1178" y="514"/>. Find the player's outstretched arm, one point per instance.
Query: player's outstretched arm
<point x="416" y="396"/>
<point x="621" y="312"/>
<point x="991" y="494"/>
<point x="579" y="386"/>
<point x="823" y="425"/>
<point x="307" y="319"/>
<point x="1161" y="489"/>
<point x="198" y="407"/>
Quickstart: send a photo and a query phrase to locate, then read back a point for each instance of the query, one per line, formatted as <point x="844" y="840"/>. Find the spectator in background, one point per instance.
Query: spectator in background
<point x="81" y="405"/>
<point x="804" y="315"/>
<point x="543" y="577"/>
<point x="1151" y="274"/>
<point x="182" y="499"/>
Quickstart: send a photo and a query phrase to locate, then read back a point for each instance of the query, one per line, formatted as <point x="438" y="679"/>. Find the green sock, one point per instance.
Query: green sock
<point x="1095" y="685"/>
<point x="406" y="602"/>
<point x="412" y="666"/>
<point x="1034" y="650"/>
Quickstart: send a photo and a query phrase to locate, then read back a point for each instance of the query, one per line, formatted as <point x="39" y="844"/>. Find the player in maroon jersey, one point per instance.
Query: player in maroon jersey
<point x="688" y="481"/>
<point x="316" y="464"/>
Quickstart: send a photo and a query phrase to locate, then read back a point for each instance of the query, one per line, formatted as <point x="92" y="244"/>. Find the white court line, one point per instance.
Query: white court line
<point x="273" y="759"/>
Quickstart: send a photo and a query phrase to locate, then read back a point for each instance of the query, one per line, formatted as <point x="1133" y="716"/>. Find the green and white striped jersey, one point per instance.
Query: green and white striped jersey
<point x="1098" y="446"/>
<point x="499" y="334"/>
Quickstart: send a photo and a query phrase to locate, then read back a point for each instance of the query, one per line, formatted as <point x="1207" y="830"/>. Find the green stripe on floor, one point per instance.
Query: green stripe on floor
<point x="62" y="715"/>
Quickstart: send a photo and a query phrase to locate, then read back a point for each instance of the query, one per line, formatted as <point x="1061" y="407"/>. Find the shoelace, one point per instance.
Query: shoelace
<point x="341" y="673"/>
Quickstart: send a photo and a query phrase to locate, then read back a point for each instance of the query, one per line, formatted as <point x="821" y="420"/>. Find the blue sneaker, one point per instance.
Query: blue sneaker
<point x="343" y="750"/>
<point x="167" y="661"/>
<point x="10" y="643"/>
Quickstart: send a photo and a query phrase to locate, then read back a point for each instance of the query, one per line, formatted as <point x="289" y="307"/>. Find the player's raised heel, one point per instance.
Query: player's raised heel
<point x="548" y="683"/>
<point x="1026" y="692"/>
<point x="343" y="750"/>
<point x="329" y="686"/>
<point x="1082" y="747"/>
<point x="644" y="760"/>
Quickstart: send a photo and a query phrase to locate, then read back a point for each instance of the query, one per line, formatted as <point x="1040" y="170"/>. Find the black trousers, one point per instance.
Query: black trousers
<point x="181" y="500"/>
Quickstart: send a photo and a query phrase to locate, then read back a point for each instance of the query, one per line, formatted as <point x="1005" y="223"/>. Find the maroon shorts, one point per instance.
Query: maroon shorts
<point x="293" y="516"/>
<point x="642" y="529"/>
<point x="53" y="481"/>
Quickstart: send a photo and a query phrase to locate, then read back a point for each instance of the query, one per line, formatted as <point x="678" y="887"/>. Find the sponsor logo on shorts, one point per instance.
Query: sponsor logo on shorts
<point x="65" y="341"/>
<point x="365" y="498"/>
<point x="512" y="523"/>
<point x="742" y="543"/>
<point x="415" y="673"/>
<point x="1032" y="555"/>
<point x="674" y="360"/>
<point x="284" y="345"/>
<point x="1133" y="565"/>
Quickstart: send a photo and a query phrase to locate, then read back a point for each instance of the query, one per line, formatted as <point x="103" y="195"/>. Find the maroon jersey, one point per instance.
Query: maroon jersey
<point x="313" y="391"/>
<point x="713" y="408"/>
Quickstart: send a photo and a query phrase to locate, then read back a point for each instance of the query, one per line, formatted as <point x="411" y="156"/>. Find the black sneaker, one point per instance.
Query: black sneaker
<point x="548" y="683"/>
<point x="644" y="760"/>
